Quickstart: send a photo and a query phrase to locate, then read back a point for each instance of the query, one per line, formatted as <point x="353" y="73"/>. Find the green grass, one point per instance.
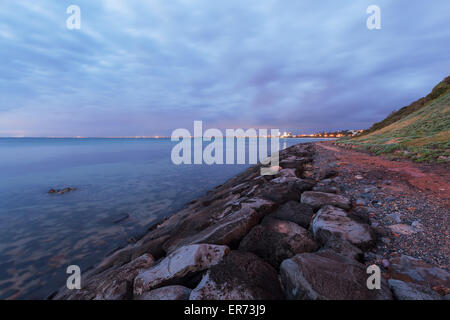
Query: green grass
<point x="419" y="133"/>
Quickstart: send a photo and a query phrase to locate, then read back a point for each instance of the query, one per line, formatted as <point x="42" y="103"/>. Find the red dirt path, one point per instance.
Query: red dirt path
<point x="432" y="179"/>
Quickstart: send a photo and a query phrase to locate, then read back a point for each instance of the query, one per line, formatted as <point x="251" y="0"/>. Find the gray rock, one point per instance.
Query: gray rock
<point x="412" y="291"/>
<point x="239" y="276"/>
<point x="326" y="188"/>
<point x="280" y="190"/>
<point x="294" y="162"/>
<point x="295" y="211"/>
<point x="326" y="275"/>
<point x="403" y="229"/>
<point x="167" y="293"/>
<point x="344" y="248"/>
<point x="410" y="269"/>
<point x="331" y="222"/>
<point x="360" y="214"/>
<point x="394" y="217"/>
<point x="276" y="240"/>
<point x="181" y="263"/>
<point x="320" y="199"/>
<point x="228" y="230"/>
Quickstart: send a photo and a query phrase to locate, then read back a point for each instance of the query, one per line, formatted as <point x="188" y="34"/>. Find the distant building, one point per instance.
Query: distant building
<point x="355" y="132"/>
<point x="286" y="135"/>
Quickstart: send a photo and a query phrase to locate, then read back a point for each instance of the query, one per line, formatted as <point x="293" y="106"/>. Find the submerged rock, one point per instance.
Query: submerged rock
<point x="121" y="217"/>
<point x="239" y="276"/>
<point x="182" y="262"/>
<point x="60" y="191"/>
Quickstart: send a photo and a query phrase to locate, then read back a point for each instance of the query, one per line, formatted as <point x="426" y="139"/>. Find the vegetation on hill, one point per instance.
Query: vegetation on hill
<point x="420" y="131"/>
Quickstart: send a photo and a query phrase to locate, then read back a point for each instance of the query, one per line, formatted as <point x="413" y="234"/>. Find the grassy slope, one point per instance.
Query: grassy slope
<point x="420" y="131"/>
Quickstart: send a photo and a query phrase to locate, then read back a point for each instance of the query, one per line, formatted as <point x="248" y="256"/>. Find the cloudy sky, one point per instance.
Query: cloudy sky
<point x="148" y="67"/>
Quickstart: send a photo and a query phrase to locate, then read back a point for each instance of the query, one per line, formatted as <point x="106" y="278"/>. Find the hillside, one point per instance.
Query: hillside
<point x="420" y="131"/>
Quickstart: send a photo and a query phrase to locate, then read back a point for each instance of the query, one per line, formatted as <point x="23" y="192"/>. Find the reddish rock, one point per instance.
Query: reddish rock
<point x="409" y="269"/>
<point x="411" y="291"/>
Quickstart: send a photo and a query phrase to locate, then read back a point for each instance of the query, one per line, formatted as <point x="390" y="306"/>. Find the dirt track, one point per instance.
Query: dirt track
<point x="433" y="179"/>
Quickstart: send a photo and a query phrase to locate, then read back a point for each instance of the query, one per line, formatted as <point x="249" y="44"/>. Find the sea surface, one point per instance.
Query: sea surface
<point x="123" y="186"/>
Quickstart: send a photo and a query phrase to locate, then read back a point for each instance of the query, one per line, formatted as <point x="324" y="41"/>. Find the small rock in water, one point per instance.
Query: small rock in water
<point x="121" y="218"/>
<point x="61" y="191"/>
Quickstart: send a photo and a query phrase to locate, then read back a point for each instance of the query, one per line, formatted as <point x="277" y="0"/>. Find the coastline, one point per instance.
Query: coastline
<point x="255" y="236"/>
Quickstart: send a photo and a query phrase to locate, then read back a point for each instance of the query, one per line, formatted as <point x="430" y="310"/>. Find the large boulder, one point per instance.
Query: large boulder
<point x="276" y="240"/>
<point x="239" y="276"/>
<point x="331" y="222"/>
<point x="409" y="269"/>
<point x="344" y="248"/>
<point x="411" y="291"/>
<point x="326" y="275"/>
<point x="167" y="293"/>
<point x="294" y="162"/>
<point x="228" y="230"/>
<point x="319" y="199"/>
<point x="181" y="263"/>
<point x="296" y="212"/>
<point x="283" y="189"/>
<point x="150" y="244"/>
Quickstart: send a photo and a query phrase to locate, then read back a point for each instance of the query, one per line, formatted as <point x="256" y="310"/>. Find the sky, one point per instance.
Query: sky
<point x="143" y="68"/>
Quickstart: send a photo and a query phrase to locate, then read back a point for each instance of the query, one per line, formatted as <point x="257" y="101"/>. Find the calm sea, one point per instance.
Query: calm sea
<point x="41" y="234"/>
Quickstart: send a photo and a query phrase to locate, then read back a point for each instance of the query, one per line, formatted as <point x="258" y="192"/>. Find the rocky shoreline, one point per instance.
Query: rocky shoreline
<point x="295" y="235"/>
